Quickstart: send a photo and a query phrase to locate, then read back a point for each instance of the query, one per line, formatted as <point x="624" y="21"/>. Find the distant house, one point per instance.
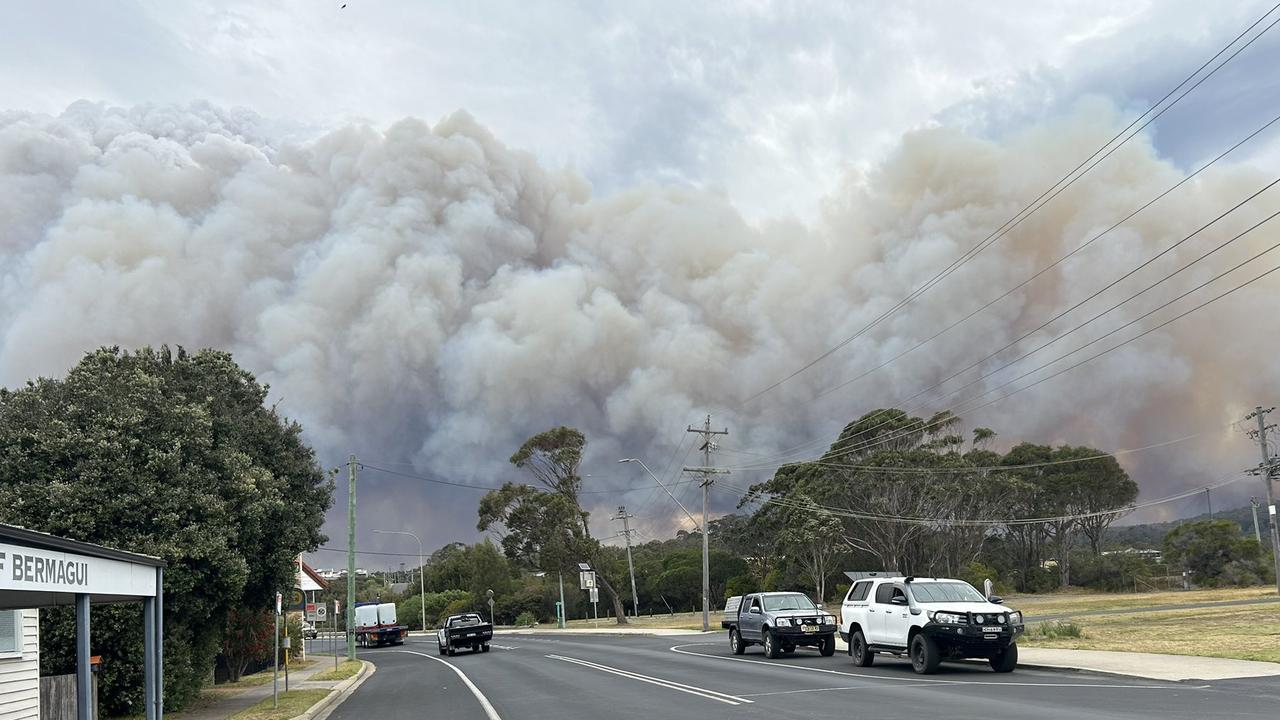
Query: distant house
<point x="19" y="664"/>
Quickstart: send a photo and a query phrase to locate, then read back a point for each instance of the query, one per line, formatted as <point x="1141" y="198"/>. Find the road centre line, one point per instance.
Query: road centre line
<point x="670" y="685"/>
<point x="930" y="681"/>
<point x="484" y="701"/>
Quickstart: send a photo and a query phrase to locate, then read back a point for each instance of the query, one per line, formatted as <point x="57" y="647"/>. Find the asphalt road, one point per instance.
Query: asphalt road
<point x="612" y="677"/>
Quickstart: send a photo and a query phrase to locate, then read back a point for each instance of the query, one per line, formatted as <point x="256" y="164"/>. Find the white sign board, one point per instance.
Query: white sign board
<point x="321" y="612"/>
<point x="595" y="595"/>
<point x="586" y="580"/>
<point x="24" y="568"/>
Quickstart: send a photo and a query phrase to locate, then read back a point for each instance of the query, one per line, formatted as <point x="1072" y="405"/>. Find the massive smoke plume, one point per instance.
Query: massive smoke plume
<point x="427" y="297"/>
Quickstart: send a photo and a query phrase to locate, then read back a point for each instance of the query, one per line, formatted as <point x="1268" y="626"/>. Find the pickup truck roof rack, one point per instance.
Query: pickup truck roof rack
<point x="856" y="575"/>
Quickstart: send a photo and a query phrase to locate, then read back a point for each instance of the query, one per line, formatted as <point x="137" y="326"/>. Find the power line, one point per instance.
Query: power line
<point x="921" y="427"/>
<point x="1042" y="200"/>
<point x="792" y="451"/>
<point x="1054" y="264"/>
<point x="439" y="481"/>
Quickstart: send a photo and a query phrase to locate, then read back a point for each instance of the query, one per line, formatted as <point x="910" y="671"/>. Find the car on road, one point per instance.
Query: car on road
<point x="467" y="630"/>
<point x="780" y="621"/>
<point x="928" y="620"/>
<point x="309" y="631"/>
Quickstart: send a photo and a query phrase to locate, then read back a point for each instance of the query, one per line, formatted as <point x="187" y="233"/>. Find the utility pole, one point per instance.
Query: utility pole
<point x="1257" y="535"/>
<point x="631" y="569"/>
<point x="1209" y="499"/>
<point x="351" y="557"/>
<point x="706" y="471"/>
<point x="1268" y="469"/>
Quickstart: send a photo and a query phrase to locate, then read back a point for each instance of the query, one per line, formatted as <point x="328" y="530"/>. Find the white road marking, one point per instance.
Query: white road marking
<point x="669" y="684"/>
<point x="810" y="690"/>
<point x="484" y="701"/>
<point x="890" y="678"/>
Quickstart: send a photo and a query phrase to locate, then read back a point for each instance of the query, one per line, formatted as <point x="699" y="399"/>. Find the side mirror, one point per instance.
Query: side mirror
<point x="897" y="600"/>
<point x="755" y="611"/>
<point x="916" y="611"/>
<point x="995" y="600"/>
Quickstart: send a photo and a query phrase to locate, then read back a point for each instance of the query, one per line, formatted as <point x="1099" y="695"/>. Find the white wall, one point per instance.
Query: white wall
<point x="20" y="676"/>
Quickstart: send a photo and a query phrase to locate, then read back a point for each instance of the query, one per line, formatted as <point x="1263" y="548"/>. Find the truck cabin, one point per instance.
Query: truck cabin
<point x="468" y="620"/>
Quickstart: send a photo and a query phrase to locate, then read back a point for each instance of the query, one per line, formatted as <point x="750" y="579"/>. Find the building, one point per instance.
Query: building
<point x="39" y="570"/>
<point x="19" y="664"/>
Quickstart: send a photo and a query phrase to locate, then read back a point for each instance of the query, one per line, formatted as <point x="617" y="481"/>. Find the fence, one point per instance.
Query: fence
<point x="58" y="697"/>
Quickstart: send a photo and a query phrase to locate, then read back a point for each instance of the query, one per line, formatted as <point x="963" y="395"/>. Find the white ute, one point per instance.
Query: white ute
<point x="928" y="620"/>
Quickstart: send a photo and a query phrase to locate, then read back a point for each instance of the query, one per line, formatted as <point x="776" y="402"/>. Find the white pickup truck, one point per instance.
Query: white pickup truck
<point x="928" y="620"/>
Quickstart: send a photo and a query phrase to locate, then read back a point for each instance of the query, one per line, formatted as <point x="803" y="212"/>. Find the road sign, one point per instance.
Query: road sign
<point x="321" y="612"/>
<point x="314" y="612"/>
<point x="586" y="580"/>
<point x="279" y="598"/>
<point x="595" y="595"/>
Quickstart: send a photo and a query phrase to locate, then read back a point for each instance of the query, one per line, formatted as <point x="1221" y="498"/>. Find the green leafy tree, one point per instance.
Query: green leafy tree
<point x="173" y="455"/>
<point x="247" y="639"/>
<point x="1216" y="553"/>
<point x="812" y="539"/>
<point x="547" y="528"/>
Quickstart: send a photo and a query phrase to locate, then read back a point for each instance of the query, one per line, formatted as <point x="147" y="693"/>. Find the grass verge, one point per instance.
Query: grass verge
<point x="292" y="704"/>
<point x="347" y="669"/>
<point x="678" y="621"/>
<point x="1067" y="603"/>
<point x="1241" y="633"/>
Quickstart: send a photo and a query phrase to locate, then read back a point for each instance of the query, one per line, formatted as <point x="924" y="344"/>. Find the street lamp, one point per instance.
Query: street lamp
<point x="664" y="488"/>
<point x="422" y="592"/>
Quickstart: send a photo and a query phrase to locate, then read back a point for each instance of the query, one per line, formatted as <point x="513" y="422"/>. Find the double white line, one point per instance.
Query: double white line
<point x="700" y="692"/>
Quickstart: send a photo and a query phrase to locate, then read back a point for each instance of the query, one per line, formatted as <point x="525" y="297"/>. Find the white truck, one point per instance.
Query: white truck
<point x="928" y="620"/>
<point x="376" y="625"/>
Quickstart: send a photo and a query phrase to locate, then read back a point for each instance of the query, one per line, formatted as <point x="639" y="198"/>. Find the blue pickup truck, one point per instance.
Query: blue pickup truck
<point x="780" y="621"/>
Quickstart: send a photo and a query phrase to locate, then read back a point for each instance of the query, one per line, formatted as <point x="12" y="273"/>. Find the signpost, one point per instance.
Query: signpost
<point x="275" y="658"/>
<point x="337" y="611"/>
<point x="489" y="594"/>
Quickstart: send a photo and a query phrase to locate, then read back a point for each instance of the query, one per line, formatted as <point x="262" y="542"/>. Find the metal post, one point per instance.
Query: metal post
<point x="1271" y="502"/>
<point x="149" y="657"/>
<point x="562" y="607"/>
<point x="159" y="643"/>
<point x="275" y="659"/>
<point x="84" y="676"/>
<point x="351" y="557"/>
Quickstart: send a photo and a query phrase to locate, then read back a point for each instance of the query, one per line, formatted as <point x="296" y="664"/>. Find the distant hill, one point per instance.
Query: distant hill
<point x="1151" y="535"/>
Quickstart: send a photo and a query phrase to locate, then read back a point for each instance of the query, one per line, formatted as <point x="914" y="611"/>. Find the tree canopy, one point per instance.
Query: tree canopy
<point x="168" y="454"/>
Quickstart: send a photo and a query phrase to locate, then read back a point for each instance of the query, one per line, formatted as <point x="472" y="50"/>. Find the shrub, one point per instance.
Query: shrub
<point x="1056" y="630"/>
<point x="526" y="619"/>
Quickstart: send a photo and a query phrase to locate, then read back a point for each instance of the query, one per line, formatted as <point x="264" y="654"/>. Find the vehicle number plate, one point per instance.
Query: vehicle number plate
<point x="473" y="634"/>
<point x="811" y="628"/>
<point x="990" y="629"/>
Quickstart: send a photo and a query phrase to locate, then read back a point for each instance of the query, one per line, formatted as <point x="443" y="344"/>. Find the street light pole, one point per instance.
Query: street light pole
<point x="696" y="524"/>
<point x="422" y="592"/>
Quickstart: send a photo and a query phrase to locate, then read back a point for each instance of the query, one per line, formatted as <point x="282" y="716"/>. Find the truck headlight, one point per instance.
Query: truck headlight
<point x="947" y="618"/>
<point x="828" y="619"/>
<point x="784" y="622"/>
<point x="1015" y="618"/>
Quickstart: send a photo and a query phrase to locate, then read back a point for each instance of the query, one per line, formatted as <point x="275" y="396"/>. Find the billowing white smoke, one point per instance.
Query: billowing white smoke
<point x="428" y="297"/>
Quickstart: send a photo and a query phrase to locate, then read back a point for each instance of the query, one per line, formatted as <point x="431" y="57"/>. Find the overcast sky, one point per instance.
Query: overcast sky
<point x="779" y="107"/>
<point x="775" y="103"/>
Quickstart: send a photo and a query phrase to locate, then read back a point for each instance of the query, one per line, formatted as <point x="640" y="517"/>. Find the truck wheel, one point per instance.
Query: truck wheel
<point x="449" y="652"/>
<point x="828" y="646"/>
<point x="770" y="645"/>
<point x="440" y="648"/>
<point x="484" y="648"/>
<point x="858" y="650"/>
<point x="1006" y="660"/>
<point x="735" y="642"/>
<point x="924" y="655"/>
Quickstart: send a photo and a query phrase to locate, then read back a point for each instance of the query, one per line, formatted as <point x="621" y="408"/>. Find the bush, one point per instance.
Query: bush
<point x="526" y="619"/>
<point x="740" y="585"/>
<point x="461" y="605"/>
<point x="1056" y="630"/>
<point x="247" y="640"/>
<point x="1216" y="553"/>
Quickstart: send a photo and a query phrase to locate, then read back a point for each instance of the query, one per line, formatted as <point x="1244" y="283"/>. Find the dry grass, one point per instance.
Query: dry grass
<point x="1067" y="603"/>
<point x="347" y="669"/>
<point x="292" y="704"/>
<point x="1243" y="633"/>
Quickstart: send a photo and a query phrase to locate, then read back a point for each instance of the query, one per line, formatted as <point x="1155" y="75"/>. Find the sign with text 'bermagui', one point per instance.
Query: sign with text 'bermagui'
<point x="24" y="568"/>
